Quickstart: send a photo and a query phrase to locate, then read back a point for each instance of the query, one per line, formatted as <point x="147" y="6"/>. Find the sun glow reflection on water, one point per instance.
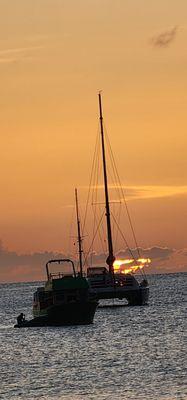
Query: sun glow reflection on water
<point x="128" y="353"/>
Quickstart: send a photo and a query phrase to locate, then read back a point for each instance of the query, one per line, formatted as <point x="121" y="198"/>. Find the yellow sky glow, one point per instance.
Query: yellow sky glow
<point x="54" y="58"/>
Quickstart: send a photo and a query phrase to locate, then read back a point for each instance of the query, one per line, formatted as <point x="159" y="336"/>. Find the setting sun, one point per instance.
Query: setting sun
<point x="120" y="265"/>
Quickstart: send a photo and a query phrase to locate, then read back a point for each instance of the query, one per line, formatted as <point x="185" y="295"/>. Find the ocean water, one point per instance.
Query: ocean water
<point x="128" y="353"/>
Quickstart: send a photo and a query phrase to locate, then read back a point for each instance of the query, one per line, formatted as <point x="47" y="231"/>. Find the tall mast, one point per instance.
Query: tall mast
<point x="79" y="233"/>
<point x="110" y="259"/>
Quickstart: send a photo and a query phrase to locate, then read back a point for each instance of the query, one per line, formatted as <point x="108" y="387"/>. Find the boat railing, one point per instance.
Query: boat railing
<point x="59" y="261"/>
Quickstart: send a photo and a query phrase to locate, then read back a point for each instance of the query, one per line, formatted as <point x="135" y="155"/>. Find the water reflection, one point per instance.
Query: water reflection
<point x="128" y="353"/>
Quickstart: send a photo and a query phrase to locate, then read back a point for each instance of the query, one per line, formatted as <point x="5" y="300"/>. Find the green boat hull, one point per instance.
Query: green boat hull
<point x="79" y="313"/>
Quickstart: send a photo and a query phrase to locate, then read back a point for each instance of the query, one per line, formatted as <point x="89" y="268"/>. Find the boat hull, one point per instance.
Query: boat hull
<point x="65" y="314"/>
<point x="79" y="313"/>
<point x="123" y="287"/>
<point x="135" y="296"/>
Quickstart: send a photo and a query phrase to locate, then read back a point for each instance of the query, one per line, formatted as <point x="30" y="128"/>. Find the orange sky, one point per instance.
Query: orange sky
<point x="54" y="57"/>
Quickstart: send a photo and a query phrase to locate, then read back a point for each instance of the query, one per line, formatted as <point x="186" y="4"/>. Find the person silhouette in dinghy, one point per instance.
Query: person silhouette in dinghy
<point x="21" y="319"/>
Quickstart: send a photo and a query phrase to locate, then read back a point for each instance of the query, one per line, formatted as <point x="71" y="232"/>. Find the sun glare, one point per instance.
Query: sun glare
<point x="121" y="265"/>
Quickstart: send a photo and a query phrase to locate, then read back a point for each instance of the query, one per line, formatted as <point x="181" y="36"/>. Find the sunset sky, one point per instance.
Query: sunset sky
<point x="55" y="55"/>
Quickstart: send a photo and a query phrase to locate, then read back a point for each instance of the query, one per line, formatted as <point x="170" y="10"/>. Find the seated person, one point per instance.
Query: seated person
<point x="20" y="318"/>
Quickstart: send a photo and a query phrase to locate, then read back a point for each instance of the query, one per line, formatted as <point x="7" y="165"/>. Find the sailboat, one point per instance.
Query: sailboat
<point x="106" y="281"/>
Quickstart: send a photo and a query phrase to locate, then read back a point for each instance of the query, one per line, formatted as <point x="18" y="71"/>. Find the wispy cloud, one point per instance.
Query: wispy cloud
<point x="12" y="55"/>
<point x="20" y="50"/>
<point x="164" y="39"/>
<point x="148" y="191"/>
<point x="7" y="60"/>
<point x="157" y="191"/>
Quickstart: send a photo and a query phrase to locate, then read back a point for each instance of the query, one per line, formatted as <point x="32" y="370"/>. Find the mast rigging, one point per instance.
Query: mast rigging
<point x="110" y="259"/>
<point x="79" y="233"/>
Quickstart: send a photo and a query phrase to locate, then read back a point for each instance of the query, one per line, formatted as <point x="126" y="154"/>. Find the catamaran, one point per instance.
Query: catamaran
<point x="112" y="281"/>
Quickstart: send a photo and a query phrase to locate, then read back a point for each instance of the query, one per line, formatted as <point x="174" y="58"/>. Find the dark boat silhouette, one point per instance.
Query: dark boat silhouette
<point x="105" y="282"/>
<point x="63" y="300"/>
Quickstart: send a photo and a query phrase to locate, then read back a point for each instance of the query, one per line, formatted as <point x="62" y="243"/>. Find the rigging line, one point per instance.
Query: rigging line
<point x="91" y="177"/>
<point x="94" y="238"/>
<point x="114" y="167"/>
<point x="82" y="237"/>
<point x="114" y="230"/>
<point x="83" y="247"/>
<point x="112" y="164"/>
<point x="96" y="177"/>
<point x="94" y="223"/>
<point x="70" y="248"/>
<point x="129" y="249"/>
<point x="95" y="186"/>
<point x="96" y="183"/>
<point x="101" y="233"/>
<point x="118" y="222"/>
<point x="113" y="177"/>
<point x="120" y="190"/>
<point x="125" y="202"/>
<point x="95" y="197"/>
<point x="96" y="200"/>
<point x="92" y="182"/>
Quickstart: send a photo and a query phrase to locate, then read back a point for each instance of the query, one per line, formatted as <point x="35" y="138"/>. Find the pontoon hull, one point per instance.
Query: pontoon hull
<point x="135" y="296"/>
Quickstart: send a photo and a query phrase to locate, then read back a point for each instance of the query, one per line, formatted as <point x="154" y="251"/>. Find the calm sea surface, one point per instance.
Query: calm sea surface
<point x="128" y="353"/>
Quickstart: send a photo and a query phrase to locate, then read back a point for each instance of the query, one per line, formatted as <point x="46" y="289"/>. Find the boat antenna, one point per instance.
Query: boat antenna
<point x="79" y="232"/>
<point x="110" y="259"/>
